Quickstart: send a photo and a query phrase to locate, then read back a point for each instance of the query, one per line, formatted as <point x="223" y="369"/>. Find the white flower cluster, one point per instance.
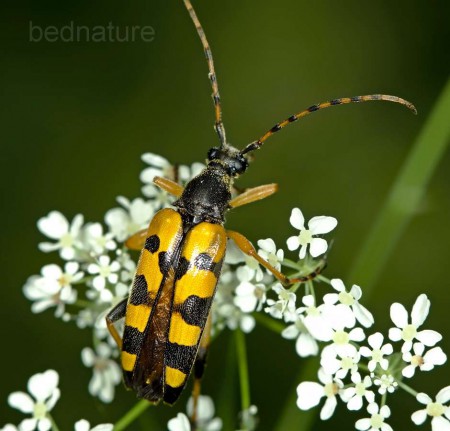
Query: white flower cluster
<point x="341" y="358"/>
<point x="45" y="393"/>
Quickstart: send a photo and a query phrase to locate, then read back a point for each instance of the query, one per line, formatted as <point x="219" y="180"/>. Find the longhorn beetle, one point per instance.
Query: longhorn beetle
<point x="166" y="315"/>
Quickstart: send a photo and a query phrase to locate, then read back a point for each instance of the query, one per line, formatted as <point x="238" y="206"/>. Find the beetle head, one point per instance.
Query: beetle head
<point x="229" y="158"/>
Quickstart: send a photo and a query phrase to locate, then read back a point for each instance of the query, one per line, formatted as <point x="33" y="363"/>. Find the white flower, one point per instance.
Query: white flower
<point x="106" y="372"/>
<point x="306" y="345"/>
<point x="53" y="288"/>
<point x="355" y="394"/>
<point x="56" y="227"/>
<point x="179" y="423"/>
<point x="377" y="352"/>
<point x="309" y="394"/>
<point x="248" y="419"/>
<point x="316" y="226"/>
<point x="250" y="270"/>
<point x="44" y="389"/>
<point x="127" y="265"/>
<point x="125" y="222"/>
<point x="350" y="299"/>
<point x="84" y="425"/>
<point x="315" y="322"/>
<point x="284" y="305"/>
<point x="106" y="270"/>
<point x="205" y="413"/>
<point x="338" y="365"/>
<point x="409" y="331"/>
<point x="9" y="427"/>
<point x="339" y="318"/>
<point x="96" y="240"/>
<point x="376" y="421"/>
<point x="432" y="357"/>
<point x="386" y="383"/>
<point x="438" y="410"/>
<point x="268" y="251"/>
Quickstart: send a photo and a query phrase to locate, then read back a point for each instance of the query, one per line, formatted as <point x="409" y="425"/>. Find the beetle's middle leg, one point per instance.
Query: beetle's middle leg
<point x="246" y="247"/>
<point x="199" y="368"/>
<point x="117" y="313"/>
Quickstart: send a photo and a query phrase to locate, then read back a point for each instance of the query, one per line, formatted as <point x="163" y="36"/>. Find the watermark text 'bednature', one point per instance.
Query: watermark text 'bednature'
<point x="73" y="32"/>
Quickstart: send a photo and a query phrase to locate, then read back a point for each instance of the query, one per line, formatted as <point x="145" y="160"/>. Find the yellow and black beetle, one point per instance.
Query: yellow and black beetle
<point x="181" y="259"/>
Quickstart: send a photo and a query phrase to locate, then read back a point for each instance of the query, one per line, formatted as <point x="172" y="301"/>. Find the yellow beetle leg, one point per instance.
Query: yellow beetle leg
<point x="254" y="194"/>
<point x="199" y="368"/>
<point x="117" y="313"/>
<point x="169" y="186"/>
<point x="246" y="247"/>
<point x="137" y="240"/>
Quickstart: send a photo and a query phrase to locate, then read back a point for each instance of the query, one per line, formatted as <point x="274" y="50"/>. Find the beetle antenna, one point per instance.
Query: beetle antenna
<point x="218" y="126"/>
<point x="255" y="145"/>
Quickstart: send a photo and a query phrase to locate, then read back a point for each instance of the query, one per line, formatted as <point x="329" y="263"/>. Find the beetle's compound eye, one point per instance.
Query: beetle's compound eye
<point x="213" y="154"/>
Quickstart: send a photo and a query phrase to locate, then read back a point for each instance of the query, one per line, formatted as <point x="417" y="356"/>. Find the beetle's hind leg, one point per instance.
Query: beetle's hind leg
<point x="199" y="368"/>
<point x="246" y="247"/>
<point x="117" y="313"/>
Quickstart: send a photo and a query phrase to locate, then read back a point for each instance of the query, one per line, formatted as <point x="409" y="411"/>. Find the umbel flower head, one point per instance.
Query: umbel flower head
<point x="44" y="391"/>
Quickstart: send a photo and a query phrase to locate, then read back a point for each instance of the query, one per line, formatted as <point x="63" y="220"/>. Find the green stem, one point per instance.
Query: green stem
<point x="290" y="264"/>
<point x="405" y="195"/>
<point x="407" y="388"/>
<point x="131" y="415"/>
<point x="268" y="322"/>
<point x="243" y="369"/>
<point x="54" y="426"/>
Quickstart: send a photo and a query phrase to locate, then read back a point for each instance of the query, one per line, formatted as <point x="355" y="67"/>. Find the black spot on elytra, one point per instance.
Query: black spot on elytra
<point x="139" y="293"/>
<point x="152" y="243"/>
<point x="180" y="357"/>
<point x="194" y="310"/>
<point x="132" y="340"/>
<point x="164" y="262"/>
<point x="182" y="267"/>
<point x="204" y="261"/>
<point x="172" y="394"/>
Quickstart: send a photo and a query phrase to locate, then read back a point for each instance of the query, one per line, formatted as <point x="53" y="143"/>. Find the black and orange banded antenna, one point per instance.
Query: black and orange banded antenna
<point x="255" y="145"/>
<point x="218" y="126"/>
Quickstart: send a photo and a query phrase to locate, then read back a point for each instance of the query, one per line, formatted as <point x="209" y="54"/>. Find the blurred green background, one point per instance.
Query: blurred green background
<point x="77" y="116"/>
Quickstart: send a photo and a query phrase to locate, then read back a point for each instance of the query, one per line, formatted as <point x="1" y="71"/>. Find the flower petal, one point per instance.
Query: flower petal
<point x="322" y="224"/>
<point x="337" y="284"/>
<point x="297" y="220"/>
<point x="328" y="408"/>
<point x="42" y="385"/>
<point x="420" y="310"/>
<point x="309" y="395"/>
<point x="399" y="315"/>
<point x="439" y="423"/>
<point x="419" y="417"/>
<point x="55" y="225"/>
<point x="318" y="246"/>
<point x="429" y="337"/>
<point x="443" y="395"/>
<point x="21" y="401"/>
<point x="293" y="243"/>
